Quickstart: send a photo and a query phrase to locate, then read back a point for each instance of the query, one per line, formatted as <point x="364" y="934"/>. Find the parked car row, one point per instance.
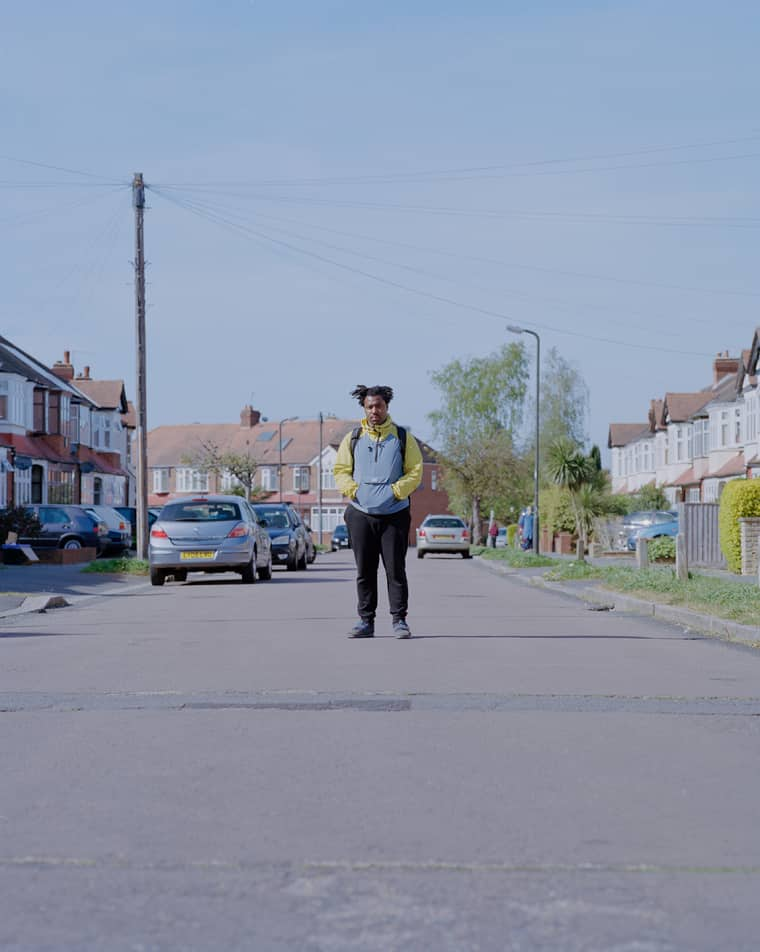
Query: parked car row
<point x="649" y="525"/>
<point x="220" y="533"/>
<point x="68" y="526"/>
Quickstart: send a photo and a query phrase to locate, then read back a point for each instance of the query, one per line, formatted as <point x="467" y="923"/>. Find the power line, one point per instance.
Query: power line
<point x="554" y="302"/>
<point x="55" y="168"/>
<point x="499" y="262"/>
<point x="738" y="222"/>
<point x="487" y="312"/>
<point x="469" y="170"/>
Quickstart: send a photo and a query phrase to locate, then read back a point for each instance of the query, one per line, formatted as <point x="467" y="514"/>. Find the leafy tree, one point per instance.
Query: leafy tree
<point x="649" y="497"/>
<point x="481" y="407"/>
<point x="564" y="406"/>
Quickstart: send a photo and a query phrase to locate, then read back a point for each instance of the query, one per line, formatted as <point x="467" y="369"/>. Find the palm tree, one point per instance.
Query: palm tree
<point x="571" y="470"/>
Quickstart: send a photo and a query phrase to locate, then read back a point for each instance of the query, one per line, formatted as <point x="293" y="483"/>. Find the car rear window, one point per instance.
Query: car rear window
<point x="445" y="522"/>
<point x="200" y="512"/>
<point x="275" y="519"/>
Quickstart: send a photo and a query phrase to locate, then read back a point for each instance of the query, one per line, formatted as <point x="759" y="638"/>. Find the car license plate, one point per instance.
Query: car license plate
<point x="442" y="537"/>
<point x="196" y="555"/>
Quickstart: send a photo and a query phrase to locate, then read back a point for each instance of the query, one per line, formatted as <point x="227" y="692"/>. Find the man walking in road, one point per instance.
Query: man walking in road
<point x="378" y="466"/>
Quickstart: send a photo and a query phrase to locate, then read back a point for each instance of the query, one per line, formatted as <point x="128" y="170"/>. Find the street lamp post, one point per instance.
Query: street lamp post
<point x="512" y="328"/>
<point x="279" y="465"/>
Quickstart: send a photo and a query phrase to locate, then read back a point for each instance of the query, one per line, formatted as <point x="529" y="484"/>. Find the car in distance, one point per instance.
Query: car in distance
<point x="66" y="527"/>
<point x="287" y="532"/>
<point x="340" y="539"/>
<point x="641" y="519"/>
<point x="119" y="528"/>
<point x="655" y="531"/>
<point x="213" y="533"/>
<point x="311" y="549"/>
<point x="443" y="533"/>
<point x="501" y="538"/>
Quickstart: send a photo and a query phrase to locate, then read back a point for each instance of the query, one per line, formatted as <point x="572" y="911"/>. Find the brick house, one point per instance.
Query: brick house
<point x="694" y="442"/>
<point x="288" y="470"/>
<point x="48" y="453"/>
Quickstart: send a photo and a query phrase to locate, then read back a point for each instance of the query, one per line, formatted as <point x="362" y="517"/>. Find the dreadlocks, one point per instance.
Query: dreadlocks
<point x="361" y="393"/>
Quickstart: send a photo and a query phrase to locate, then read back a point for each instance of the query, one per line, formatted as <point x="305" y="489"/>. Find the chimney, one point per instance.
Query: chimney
<point x="85" y="374"/>
<point x="63" y="368"/>
<point x="723" y="365"/>
<point x="249" y="417"/>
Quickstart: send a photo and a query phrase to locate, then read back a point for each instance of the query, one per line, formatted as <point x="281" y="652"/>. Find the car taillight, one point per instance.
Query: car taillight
<point x="422" y="533"/>
<point x="238" y="532"/>
<point x="122" y="525"/>
<point x="465" y="533"/>
<point x="156" y="533"/>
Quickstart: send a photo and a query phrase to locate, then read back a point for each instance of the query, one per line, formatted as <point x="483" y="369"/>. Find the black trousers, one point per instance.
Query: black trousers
<point x="374" y="538"/>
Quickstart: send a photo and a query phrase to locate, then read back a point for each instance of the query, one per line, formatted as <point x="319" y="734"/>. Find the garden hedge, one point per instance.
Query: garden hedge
<point x="740" y="497"/>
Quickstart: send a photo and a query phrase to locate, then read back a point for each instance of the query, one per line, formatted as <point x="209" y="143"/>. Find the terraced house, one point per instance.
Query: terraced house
<point x="59" y="443"/>
<point x="693" y="443"/>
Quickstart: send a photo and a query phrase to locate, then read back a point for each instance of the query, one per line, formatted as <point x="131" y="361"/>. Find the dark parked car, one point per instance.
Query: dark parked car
<point x="287" y="532"/>
<point x="130" y="513"/>
<point x="340" y="539"/>
<point x="67" y="527"/>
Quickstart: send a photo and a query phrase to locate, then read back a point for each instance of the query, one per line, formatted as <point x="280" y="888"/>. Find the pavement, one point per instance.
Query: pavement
<point x="38" y="587"/>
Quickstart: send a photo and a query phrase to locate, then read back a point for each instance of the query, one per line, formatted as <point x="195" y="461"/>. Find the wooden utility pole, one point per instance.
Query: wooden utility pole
<point x="141" y="502"/>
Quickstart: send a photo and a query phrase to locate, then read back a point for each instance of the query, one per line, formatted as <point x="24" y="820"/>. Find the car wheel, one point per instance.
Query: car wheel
<point x="302" y="562"/>
<point x="312" y="557"/>
<point x="420" y="554"/>
<point x="265" y="571"/>
<point x="292" y="564"/>
<point x="248" y="575"/>
<point x="157" y="577"/>
<point x="466" y="555"/>
<point x="72" y="544"/>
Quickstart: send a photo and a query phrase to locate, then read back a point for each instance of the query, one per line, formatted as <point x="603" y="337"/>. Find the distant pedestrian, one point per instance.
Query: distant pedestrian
<point x="526" y="533"/>
<point x="493" y="531"/>
<point x="378" y="478"/>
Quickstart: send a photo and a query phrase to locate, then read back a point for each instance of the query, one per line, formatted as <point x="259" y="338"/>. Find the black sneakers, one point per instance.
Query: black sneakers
<point x="362" y="629"/>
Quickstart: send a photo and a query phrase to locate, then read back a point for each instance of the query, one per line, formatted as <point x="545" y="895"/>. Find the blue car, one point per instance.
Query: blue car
<point x="655" y="531"/>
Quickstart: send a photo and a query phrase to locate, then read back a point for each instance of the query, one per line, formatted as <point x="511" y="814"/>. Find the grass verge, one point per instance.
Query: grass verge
<point x="123" y="566"/>
<point x="515" y="558"/>
<point x="736" y="601"/>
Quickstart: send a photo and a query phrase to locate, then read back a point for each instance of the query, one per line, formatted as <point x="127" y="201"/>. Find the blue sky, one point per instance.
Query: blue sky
<point x="296" y="151"/>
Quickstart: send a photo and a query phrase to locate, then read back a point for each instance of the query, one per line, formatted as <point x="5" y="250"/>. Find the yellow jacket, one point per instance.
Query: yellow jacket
<point x="344" y="462"/>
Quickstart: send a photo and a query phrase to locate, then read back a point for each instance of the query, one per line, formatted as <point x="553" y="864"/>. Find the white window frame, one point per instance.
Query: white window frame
<point x="190" y="480"/>
<point x="269" y="478"/>
<point x="332" y="516"/>
<point x="161" y="478"/>
<point x="301" y="478"/>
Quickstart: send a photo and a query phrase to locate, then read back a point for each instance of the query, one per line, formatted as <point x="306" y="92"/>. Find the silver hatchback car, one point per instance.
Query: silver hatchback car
<point x="208" y="534"/>
<point x="443" y="534"/>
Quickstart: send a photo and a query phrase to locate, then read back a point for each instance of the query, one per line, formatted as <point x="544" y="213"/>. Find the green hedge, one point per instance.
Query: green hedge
<point x="662" y="549"/>
<point x="740" y="497"/>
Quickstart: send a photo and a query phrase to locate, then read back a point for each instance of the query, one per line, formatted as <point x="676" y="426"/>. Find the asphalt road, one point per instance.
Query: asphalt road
<point x="213" y="766"/>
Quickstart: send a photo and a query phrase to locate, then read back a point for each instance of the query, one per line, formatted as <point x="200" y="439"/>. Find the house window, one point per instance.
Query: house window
<point x="328" y="477"/>
<point x="751" y="411"/>
<point x="301" y="479"/>
<point x="191" y="481"/>
<point x="54" y="414"/>
<point x="22" y="486"/>
<point x="692" y="494"/>
<point x="38" y="414"/>
<point x="737" y="426"/>
<point x="3" y="399"/>
<point x="332" y="516"/>
<point x="269" y="478"/>
<point x="434" y="479"/>
<point x="229" y="481"/>
<point x="723" y="439"/>
<point x="161" y="480"/>
<point x="60" y="485"/>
